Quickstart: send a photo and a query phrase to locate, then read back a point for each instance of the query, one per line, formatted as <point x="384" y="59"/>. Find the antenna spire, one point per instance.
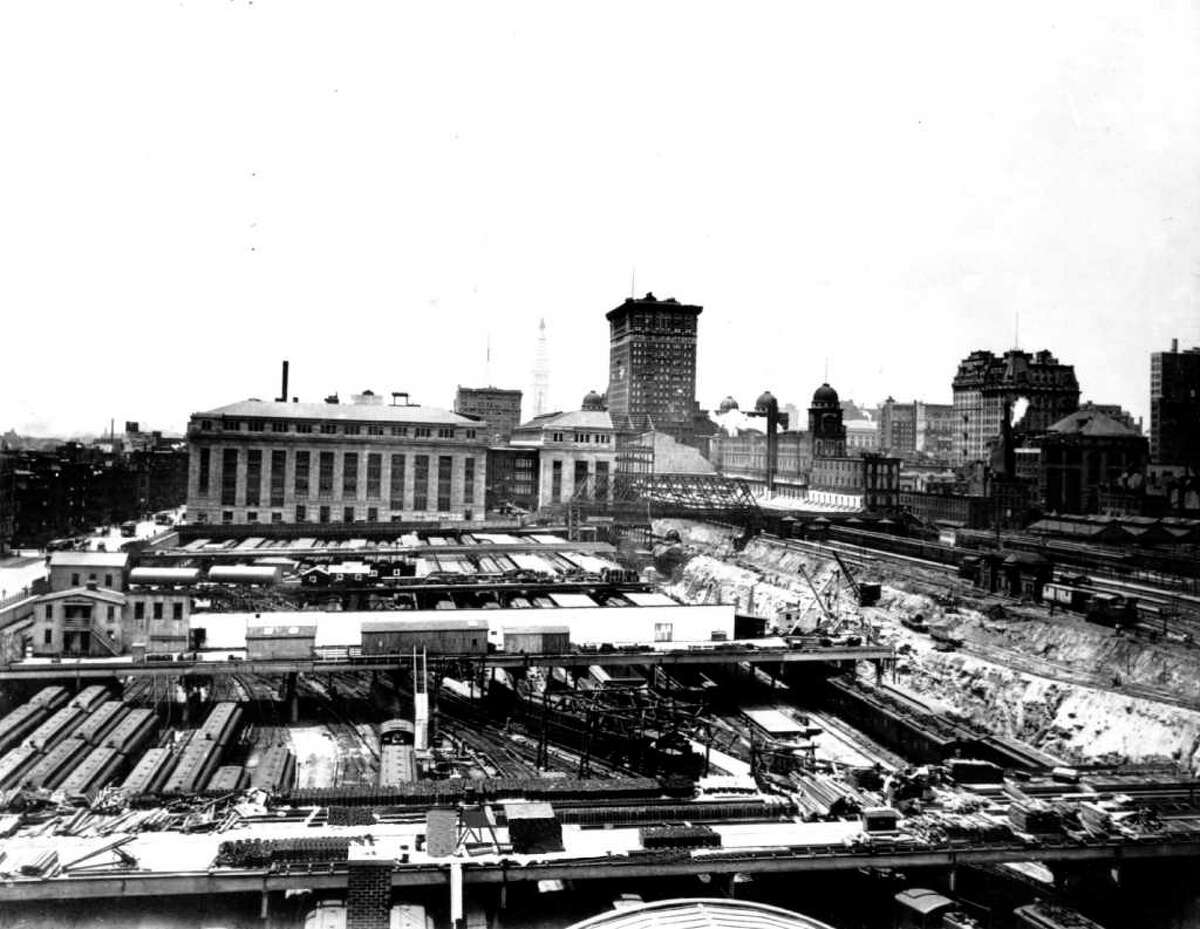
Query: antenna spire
<point x="1017" y="329"/>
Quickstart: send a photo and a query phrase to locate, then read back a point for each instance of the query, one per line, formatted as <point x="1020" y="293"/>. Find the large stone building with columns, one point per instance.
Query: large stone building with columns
<point x="365" y="461"/>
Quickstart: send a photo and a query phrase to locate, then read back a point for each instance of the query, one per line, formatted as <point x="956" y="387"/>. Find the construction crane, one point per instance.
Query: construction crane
<point x="865" y="594"/>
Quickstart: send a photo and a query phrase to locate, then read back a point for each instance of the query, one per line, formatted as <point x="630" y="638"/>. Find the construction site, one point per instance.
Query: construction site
<point x="366" y="732"/>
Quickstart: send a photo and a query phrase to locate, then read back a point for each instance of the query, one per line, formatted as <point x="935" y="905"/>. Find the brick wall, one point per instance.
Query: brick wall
<point x="369" y="901"/>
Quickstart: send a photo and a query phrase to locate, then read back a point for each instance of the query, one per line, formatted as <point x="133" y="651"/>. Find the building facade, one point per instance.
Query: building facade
<point x="652" y="366"/>
<point x="499" y="409"/>
<point x="1082" y="453"/>
<point x="576" y="452"/>
<point x="985" y="382"/>
<point x="1175" y="407"/>
<point x="836" y="476"/>
<point x="917" y="430"/>
<point x="272" y="462"/>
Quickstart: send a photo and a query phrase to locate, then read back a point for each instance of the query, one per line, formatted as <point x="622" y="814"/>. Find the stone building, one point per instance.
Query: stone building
<point x="983" y="384"/>
<point x="1175" y="407"/>
<point x="1082" y="453"/>
<point x="576" y="450"/>
<point x="865" y="479"/>
<point x="652" y="366"/>
<point x="499" y="409"/>
<point x="917" y="431"/>
<point x="273" y="462"/>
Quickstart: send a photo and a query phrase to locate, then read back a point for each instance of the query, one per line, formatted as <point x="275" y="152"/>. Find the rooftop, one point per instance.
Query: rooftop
<point x="88" y="559"/>
<point x="1093" y="423"/>
<point x="349" y="412"/>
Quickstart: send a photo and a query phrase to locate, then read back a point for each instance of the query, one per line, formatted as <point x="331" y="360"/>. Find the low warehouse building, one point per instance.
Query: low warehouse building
<point x="279" y="641"/>
<point x="437" y="635"/>
<point x="537" y="640"/>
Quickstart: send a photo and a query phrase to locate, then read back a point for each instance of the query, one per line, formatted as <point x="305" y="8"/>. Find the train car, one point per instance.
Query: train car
<point x="90" y="697"/>
<point x="132" y="733"/>
<point x="100" y="722"/>
<point x="55" y="765"/>
<point x="397" y="761"/>
<point x="149" y="774"/>
<point x="98" y="769"/>
<point x="275" y="770"/>
<point x="1107" y="609"/>
<point x="15" y="763"/>
<point x="52" y="698"/>
<point x="202" y="755"/>
<point x="56" y="728"/>
<point x="227" y="779"/>
<point x="20" y="723"/>
<point x="437" y="635"/>
<point x="1067" y="596"/>
<point x="1044" y="915"/>
<point x="537" y="640"/>
<point x="245" y="575"/>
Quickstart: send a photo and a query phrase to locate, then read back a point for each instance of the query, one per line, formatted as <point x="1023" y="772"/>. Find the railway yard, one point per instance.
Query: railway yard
<point x="443" y="771"/>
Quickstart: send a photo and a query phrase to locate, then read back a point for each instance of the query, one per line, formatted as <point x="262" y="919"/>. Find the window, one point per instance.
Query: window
<point x="176" y="610"/>
<point x="328" y="428"/>
<point x="399" y="430"/>
<point x="581" y="476"/>
<point x="601" y="480"/>
<point x="325" y="475"/>
<point x="348" y="514"/>
<point x="445" y="470"/>
<point x="421" y="432"/>
<point x="278" y="463"/>
<point x="556" y="437"/>
<point x="49" y="612"/>
<point x="278" y="426"/>
<point x="108" y="580"/>
<point x="372" y="514"/>
<point x="445" y="433"/>
<point x="323" y="514"/>
<point x="374" y="475"/>
<point x="253" y="476"/>
<point x="374" y="430"/>
<point x="48" y="637"/>
<point x="229" y="468"/>
<point x="470" y="433"/>
<point x="350" y="474"/>
<point x="232" y="425"/>
<point x="110" y="616"/>
<point x="556" y="481"/>
<point x="202" y="478"/>
<point x="158" y="611"/>
<point x="352" y="429"/>
<point x="74" y="580"/>
<point x="304" y="428"/>
<point x="301" y="513"/>
<point x="255" y="425"/>
<point x="206" y="425"/>
<point x="276" y="517"/>
<point x="469" y="480"/>
<point x="226" y="516"/>
<point x="301" y="480"/>
<point x="397" y="482"/>
<point x="139" y="610"/>
<point x="420" y="482"/>
<point x="252" y="516"/>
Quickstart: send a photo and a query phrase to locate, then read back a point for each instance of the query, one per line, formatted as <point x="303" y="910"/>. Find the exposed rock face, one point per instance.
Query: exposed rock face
<point x="1071" y="688"/>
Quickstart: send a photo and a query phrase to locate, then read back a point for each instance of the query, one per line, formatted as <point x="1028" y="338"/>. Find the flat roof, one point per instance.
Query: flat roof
<point x="346" y="412"/>
<point x="88" y="559"/>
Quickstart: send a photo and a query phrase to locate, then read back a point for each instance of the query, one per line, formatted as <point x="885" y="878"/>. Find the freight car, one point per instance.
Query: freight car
<point x="106" y="717"/>
<point x="226" y="780"/>
<point x="51" y="698"/>
<point x="56" y="728"/>
<point x="14" y="764"/>
<point x="19" y="723"/>
<point x="397" y="761"/>
<point x="130" y="735"/>
<point x="100" y="767"/>
<point x="55" y="765"/>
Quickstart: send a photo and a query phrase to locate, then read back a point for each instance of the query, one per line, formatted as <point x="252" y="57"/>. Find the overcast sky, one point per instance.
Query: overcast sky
<point x="191" y="192"/>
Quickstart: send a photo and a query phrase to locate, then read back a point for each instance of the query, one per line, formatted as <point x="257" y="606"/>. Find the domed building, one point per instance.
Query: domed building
<point x="594" y="402"/>
<point x="825" y="424"/>
<point x="727" y="404"/>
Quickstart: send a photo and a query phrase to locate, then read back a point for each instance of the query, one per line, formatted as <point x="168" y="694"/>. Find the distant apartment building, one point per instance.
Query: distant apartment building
<point x="917" y="430"/>
<point x="652" y="366"/>
<point x="500" y="409"/>
<point x="273" y="462"/>
<point x="862" y="435"/>
<point x="1175" y="407"/>
<point x="985" y="382"/>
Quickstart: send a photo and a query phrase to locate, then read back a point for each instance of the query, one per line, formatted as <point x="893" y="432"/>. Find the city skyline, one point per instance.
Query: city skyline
<point x="881" y="202"/>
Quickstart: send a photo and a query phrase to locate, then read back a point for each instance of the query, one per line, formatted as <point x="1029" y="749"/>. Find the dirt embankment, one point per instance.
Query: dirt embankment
<point x="1071" y="688"/>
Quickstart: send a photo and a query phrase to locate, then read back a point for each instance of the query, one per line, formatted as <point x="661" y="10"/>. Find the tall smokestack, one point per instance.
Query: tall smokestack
<point x="283" y="394"/>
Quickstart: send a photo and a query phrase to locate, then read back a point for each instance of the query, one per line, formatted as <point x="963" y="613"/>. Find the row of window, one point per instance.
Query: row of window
<point x="261" y="425"/>
<point x="585" y="438"/>
<point x="325" y="514"/>
<point x="352" y="468"/>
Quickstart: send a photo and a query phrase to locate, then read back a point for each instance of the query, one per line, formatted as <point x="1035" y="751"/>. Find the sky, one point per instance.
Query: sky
<point x="191" y="192"/>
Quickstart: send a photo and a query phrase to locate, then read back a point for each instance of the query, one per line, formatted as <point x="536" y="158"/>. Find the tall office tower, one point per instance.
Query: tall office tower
<point x="984" y="383"/>
<point x="541" y="373"/>
<point x="652" y="366"/>
<point x="1175" y="406"/>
